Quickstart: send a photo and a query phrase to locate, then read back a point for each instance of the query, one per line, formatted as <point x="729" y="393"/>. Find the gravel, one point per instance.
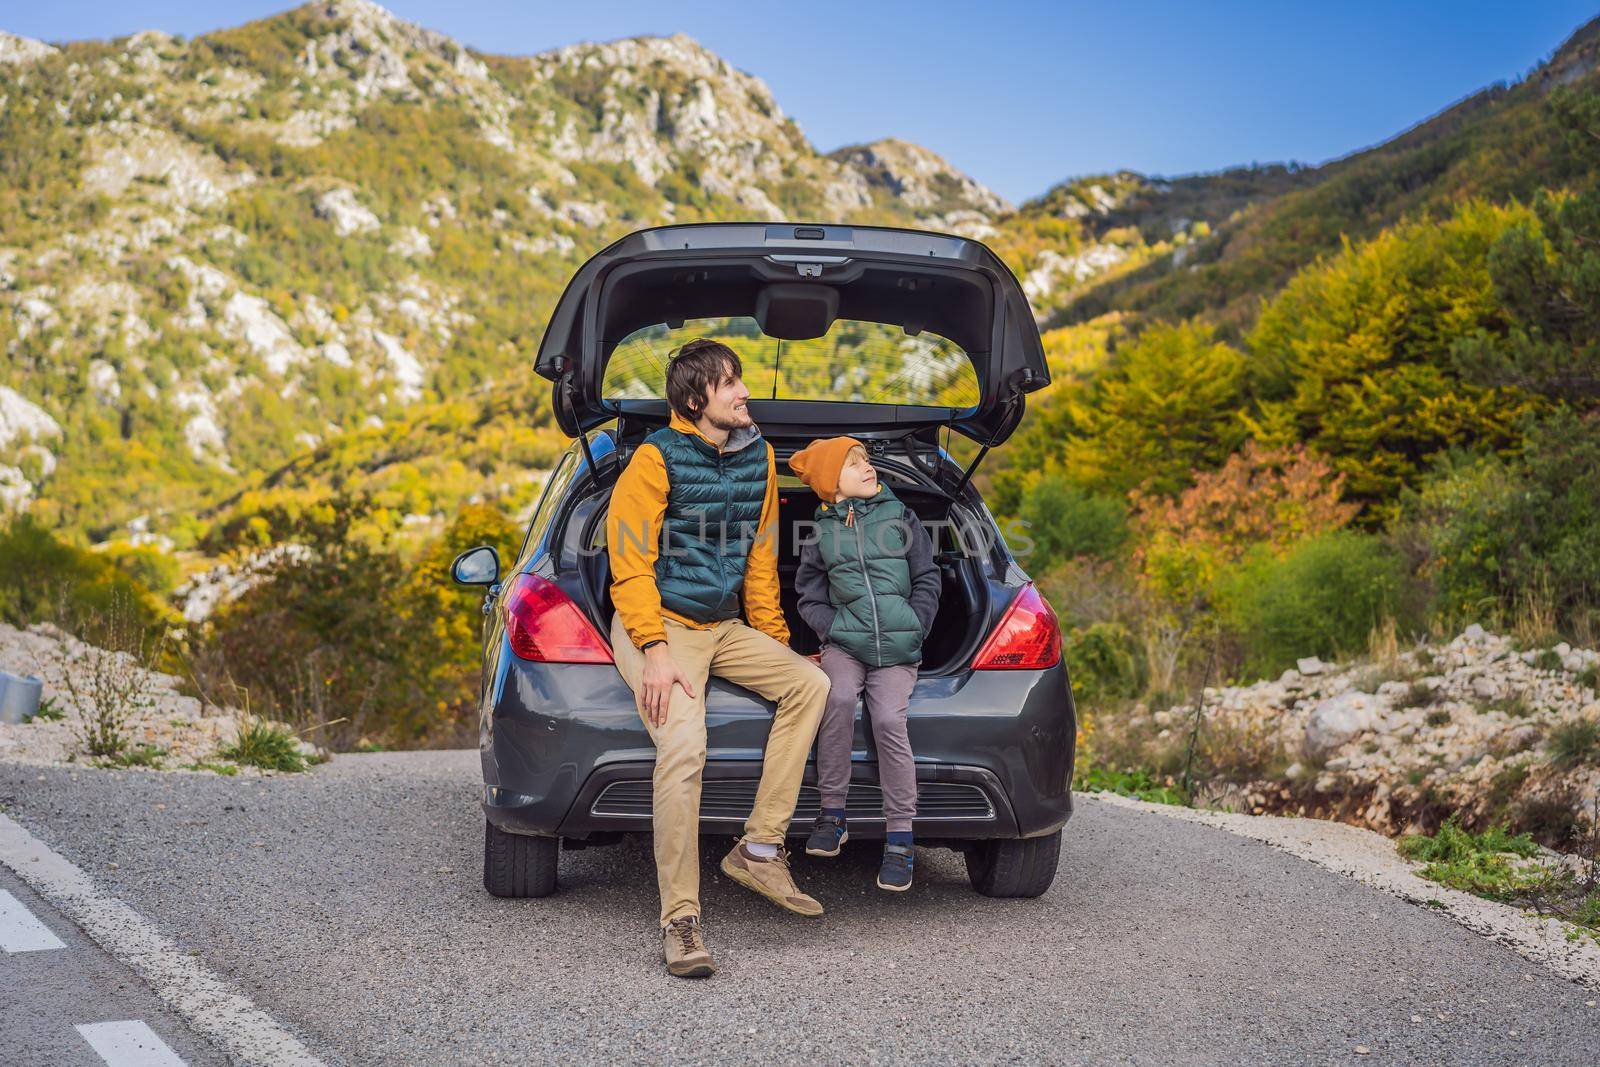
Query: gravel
<point x="348" y="904"/>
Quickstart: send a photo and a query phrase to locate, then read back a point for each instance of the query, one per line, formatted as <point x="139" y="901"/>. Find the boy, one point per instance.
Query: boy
<point x="869" y="588"/>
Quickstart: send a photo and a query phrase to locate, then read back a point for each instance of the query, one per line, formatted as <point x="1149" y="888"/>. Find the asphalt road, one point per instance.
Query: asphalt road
<point x="47" y="993"/>
<point x="347" y="904"/>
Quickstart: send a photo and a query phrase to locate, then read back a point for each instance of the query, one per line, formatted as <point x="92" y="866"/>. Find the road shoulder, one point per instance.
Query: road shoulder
<point x="1371" y="858"/>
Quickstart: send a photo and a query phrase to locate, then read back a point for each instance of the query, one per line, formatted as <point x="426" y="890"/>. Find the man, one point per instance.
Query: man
<point x="691" y="533"/>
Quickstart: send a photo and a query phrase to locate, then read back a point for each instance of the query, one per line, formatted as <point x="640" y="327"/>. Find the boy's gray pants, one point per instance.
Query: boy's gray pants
<point x="888" y="694"/>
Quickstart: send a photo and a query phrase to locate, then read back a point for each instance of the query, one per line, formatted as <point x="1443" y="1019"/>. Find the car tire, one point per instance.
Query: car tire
<point x="517" y="865"/>
<point x="1013" y="867"/>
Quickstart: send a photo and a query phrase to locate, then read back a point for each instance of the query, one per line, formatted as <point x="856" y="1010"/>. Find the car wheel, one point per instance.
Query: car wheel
<point x="517" y="865"/>
<point x="1014" y="868"/>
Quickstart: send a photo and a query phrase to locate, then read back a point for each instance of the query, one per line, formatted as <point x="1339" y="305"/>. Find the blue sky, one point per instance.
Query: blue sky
<point x="1019" y="95"/>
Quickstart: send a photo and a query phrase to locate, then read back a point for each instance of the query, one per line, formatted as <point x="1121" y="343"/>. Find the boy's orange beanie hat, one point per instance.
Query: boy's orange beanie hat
<point x="819" y="464"/>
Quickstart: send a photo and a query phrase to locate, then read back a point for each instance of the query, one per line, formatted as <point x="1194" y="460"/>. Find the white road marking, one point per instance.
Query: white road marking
<point x="20" y="930"/>
<point x="129" y="1044"/>
<point x="199" y="995"/>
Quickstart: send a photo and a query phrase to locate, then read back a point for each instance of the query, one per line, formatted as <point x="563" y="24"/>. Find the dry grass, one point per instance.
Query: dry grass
<point x="109" y="685"/>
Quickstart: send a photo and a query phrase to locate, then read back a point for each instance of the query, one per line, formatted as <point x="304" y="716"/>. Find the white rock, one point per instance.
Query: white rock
<point x="1484" y="687"/>
<point x="1337" y="719"/>
<point x="411" y="243"/>
<point x="16" y="51"/>
<point x="405" y="368"/>
<point x="21" y="419"/>
<point x="585" y="212"/>
<point x="1053" y="266"/>
<point x="348" y="215"/>
<point x="15" y="489"/>
<point x="103" y="381"/>
<point x="252" y="319"/>
<point x="1311" y="665"/>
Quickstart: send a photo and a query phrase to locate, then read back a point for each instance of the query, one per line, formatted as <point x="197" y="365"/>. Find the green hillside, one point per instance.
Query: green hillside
<point x="1266" y="224"/>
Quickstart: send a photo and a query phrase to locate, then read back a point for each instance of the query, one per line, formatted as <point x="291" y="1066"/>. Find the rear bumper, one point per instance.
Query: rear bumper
<point x="565" y="754"/>
<point x="953" y="803"/>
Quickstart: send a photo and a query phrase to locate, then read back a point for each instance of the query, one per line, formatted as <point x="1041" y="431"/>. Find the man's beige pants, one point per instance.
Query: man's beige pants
<point x="747" y="657"/>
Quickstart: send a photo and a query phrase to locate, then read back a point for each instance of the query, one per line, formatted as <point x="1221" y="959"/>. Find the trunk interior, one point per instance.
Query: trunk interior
<point x="963" y="600"/>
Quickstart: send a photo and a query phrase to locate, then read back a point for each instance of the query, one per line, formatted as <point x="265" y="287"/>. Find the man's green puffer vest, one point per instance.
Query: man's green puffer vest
<point x="713" y="508"/>
<point x="863" y="543"/>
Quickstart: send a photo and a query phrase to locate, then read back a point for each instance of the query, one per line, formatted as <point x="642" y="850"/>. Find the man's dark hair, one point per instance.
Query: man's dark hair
<point x="694" y="370"/>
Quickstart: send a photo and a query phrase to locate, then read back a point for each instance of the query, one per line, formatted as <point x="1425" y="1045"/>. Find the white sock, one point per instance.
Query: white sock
<point x="760" y="851"/>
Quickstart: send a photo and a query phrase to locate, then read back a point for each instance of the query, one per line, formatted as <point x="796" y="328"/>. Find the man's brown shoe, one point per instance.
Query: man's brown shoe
<point x="770" y="878"/>
<point x="685" y="949"/>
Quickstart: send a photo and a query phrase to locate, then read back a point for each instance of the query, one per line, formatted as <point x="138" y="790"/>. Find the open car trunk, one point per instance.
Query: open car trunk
<point x="839" y="328"/>
<point x="958" y="627"/>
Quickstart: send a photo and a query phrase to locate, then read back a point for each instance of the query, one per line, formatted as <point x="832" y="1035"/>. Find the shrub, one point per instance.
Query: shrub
<point x="1502" y="539"/>
<point x="147" y="565"/>
<point x="1451" y="842"/>
<point x="268" y="745"/>
<point x="1574" y="742"/>
<point x="1259" y="497"/>
<point x="1066" y="522"/>
<point x="43" y="578"/>
<point x="109" y="685"/>
<point x="1420" y="695"/>
<point x="348" y="635"/>
<point x="1322" y="598"/>
<point x="1139" y="784"/>
<point x="1104" y="661"/>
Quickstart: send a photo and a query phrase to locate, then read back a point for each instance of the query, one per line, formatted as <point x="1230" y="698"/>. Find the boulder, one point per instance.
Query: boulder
<point x="1311" y="665"/>
<point x="1338" y="719"/>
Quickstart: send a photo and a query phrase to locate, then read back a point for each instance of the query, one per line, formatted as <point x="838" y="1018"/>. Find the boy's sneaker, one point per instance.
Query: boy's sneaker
<point x="685" y="949"/>
<point x="828" y="835"/>
<point x="895" y="872"/>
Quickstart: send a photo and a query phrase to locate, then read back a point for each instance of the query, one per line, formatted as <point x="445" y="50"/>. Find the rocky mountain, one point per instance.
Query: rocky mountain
<point x="312" y="234"/>
<point x="315" y="252"/>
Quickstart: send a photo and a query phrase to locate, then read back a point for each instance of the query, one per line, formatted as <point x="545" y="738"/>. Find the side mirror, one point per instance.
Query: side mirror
<point x="477" y="566"/>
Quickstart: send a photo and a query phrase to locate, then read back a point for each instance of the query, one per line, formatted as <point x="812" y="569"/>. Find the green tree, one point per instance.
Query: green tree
<point x="1499" y="535"/>
<point x="1353" y="357"/>
<point x="45" y="579"/>
<point x="1165" y="406"/>
<point x="1320" y="599"/>
<point x="1065" y="522"/>
<point x="1546" y="273"/>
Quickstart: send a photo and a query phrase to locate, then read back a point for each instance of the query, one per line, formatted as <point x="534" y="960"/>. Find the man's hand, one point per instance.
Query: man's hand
<point x="661" y="673"/>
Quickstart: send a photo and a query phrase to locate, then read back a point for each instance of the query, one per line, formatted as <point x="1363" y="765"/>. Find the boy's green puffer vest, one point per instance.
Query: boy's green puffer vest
<point x="713" y="508"/>
<point x="869" y="579"/>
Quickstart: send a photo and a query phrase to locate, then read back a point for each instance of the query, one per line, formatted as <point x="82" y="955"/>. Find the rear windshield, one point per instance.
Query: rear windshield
<point x="854" y="362"/>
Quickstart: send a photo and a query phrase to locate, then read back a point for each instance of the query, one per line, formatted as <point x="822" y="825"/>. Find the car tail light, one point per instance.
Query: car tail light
<point x="1028" y="637"/>
<point x="544" y="625"/>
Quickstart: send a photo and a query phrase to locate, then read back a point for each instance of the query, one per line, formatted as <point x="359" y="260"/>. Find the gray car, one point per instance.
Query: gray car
<point x="896" y="337"/>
